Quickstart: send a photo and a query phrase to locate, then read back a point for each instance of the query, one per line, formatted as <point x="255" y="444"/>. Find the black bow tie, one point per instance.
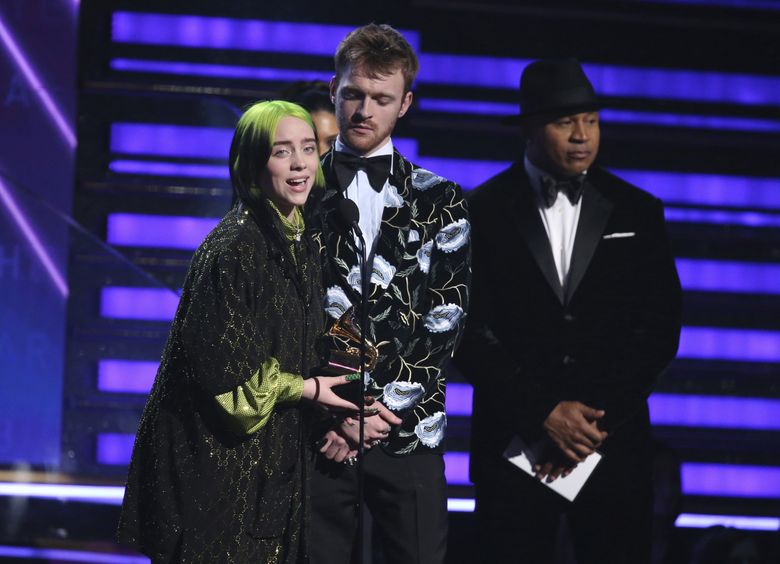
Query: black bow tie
<point x="346" y="165"/>
<point x="572" y="187"/>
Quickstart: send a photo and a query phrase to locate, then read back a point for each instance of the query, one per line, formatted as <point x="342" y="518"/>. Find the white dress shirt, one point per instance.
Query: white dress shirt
<point x="370" y="202"/>
<point x="560" y="222"/>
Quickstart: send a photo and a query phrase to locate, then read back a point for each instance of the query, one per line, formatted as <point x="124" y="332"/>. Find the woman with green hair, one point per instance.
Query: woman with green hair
<point x="219" y="470"/>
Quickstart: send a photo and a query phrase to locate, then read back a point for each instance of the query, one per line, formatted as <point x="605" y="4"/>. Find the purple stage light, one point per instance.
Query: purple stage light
<point x="36" y="85"/>
<point x="459" y="399"/>
<point x="467" y="173"/>
<point x="151" y="304"/>
<point x="220" y="71"/>
<point x="680" y="410"/>
<point x="126" y="376"/>
<point x="730" y="480"/>
<point x="63" y="555"/>
<point x="695" y="521"/>
<point x="227" y="33"/>
<point x="407" y="147"/>
<point x="608" y="80"/>
<point x="32" y="238"/>
<point x="124" y="166"/>
<point x="466" y="107"/>
<point x="691" y="121"/>
<point x="610" y="116"/>
<point x="722" y="480"/>
<point x="256" y="35"/>
<point x="189" y="141"/>
<point x="707" y="189"/>
<point x="109" y="495"/>
<point x="114" y="448"/>
<point x="171" y="140"/>
<point x="158" y="231"/>
<point x="456" y="468"/>
<point x="722" y="217"/>
<point x="739" y="345"/>
<point x="458" y="505"/>
<point x="724" y="276"/>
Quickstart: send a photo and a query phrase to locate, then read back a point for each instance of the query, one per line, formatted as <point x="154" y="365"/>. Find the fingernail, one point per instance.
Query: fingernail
<point x="352" y="377"/>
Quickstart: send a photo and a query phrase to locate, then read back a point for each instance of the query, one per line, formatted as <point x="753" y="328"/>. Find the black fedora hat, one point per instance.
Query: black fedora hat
<point x="550" y="88"/>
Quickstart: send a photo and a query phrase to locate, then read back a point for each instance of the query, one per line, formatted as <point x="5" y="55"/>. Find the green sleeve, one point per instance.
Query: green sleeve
<point x="249" y="406"/>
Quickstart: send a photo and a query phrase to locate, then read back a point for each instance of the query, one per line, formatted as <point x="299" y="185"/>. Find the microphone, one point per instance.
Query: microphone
<point x="350" y="214"/>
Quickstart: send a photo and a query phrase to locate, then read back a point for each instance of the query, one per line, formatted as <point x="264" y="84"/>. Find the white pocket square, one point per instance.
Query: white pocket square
<point x="619" y="235"/>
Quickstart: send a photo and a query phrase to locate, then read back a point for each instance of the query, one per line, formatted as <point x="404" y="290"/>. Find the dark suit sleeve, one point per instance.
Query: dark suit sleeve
<point x="501" y="383"/>
<point x="654" y="331"/>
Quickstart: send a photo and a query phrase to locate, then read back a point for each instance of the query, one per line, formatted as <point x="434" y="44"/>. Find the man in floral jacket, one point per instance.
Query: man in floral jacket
<point x="417" y="233"/>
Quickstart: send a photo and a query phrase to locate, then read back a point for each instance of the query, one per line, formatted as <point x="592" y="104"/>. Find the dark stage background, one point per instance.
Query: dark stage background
<point x="116" y="119"/>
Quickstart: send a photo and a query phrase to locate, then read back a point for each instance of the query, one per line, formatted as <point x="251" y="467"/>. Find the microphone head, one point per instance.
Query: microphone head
<point x="349" y="211"/>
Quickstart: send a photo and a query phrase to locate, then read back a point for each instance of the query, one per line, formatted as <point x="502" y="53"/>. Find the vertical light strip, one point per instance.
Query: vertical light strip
<point x="32" y="238"/>
<point x="35" y="84"/>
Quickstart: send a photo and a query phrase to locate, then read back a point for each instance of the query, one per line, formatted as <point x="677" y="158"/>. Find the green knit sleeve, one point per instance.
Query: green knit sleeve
<point x="249" y="406"/>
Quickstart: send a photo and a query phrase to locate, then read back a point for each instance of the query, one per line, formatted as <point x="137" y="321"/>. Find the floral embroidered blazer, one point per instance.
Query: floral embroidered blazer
<point x="418" y="292"/>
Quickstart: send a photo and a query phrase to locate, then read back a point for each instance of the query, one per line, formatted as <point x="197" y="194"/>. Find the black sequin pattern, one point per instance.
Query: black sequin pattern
<point x="195" y="492"/>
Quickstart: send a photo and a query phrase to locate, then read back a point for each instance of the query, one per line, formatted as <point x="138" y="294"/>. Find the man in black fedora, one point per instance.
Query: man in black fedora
<point x="575" y="312"/>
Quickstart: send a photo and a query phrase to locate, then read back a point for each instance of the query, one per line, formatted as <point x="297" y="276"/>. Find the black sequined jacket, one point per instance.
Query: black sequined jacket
<point x="196" y="492"/>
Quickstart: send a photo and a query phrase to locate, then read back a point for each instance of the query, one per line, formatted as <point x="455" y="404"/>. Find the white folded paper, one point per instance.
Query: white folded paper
<point x="519" y="454"/>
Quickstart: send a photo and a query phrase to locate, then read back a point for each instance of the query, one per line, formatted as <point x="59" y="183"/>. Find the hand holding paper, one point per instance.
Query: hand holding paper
<point x="573" y="427"/>
<point x="525" y="457"/>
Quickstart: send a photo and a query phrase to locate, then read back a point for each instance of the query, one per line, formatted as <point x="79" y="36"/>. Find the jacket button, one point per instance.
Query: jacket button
<point x="569" y="360"/>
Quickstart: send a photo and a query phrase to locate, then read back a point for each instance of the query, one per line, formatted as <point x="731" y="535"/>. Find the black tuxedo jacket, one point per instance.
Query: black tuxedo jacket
<point x="529" y="345"/>
<point x="418" y="293"/>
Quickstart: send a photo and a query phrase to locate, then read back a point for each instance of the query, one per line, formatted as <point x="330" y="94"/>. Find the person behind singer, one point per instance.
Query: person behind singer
<point x="575" y="313"/>
<point x="218" y="469"/>
<point x="314" y="96"/>
<point x="417" y="235"/>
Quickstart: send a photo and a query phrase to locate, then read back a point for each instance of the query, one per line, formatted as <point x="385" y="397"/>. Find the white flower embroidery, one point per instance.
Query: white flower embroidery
<point x="401" y="395"/>
<point x="424" y="256"/>
<point x="453" y="236"/>
<point x="382" y="272"/>
<point x="431" y="429"/>
<point x="414" y="235"/>
<point x="392" y="198"/>
<point x="353" y="278"/>
<point x="336" y="302"/>
<point x="423" y="179"/>
<point x="442" y="318"/>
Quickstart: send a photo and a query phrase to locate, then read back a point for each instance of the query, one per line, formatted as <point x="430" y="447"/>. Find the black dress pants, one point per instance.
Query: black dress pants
<point x="610" y="521"/>
<point x="407" y="498"/>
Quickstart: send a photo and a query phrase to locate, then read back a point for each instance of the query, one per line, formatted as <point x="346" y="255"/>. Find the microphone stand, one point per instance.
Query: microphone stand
<point x="365" y="284"/>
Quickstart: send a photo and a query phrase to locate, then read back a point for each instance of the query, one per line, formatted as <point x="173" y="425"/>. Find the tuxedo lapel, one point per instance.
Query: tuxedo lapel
<point x="532" y="230"/>
<point x="342" y="250"/>
<point x="593" y="219"/>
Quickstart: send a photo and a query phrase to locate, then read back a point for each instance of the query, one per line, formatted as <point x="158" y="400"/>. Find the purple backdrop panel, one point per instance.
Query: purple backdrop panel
<point x="126" y="376"/>
<point x="152" y="304"/>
